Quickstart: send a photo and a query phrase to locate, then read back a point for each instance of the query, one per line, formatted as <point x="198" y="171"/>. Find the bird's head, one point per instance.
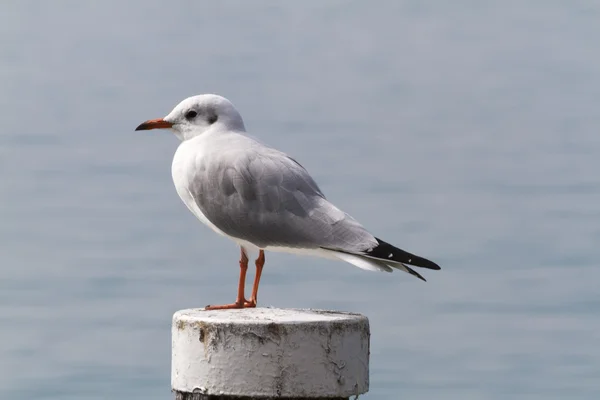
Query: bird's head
<point x="196" y="115"/>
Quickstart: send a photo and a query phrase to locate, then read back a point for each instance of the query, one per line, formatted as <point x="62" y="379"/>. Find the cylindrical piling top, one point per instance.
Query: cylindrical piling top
<point x="267" y="352"/>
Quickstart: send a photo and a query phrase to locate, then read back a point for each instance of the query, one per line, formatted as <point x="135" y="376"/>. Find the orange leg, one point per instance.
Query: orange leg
<point x="240" y="301"/>
<point x="260" y="262"/>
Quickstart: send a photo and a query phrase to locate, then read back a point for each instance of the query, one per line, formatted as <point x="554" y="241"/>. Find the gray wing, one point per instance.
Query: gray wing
<point x="261" y="195"/>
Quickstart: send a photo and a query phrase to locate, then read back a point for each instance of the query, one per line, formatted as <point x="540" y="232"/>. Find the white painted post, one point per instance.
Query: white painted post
<point x="265" y="353"/>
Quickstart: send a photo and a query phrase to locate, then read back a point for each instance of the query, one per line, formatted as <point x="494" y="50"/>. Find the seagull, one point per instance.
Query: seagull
<point x="261" y="198"/>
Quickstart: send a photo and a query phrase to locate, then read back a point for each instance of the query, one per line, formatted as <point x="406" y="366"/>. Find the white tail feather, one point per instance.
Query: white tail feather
<point x="362" y="262"/>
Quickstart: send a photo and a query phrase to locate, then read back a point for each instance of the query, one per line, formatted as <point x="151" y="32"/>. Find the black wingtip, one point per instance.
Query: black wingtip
<point x="386" y="251"/>
<point x="415" y="273"/>
<point x="435" y="266"/>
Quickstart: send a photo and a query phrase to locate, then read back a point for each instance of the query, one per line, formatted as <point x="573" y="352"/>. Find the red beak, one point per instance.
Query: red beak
<point x="154" y="124"/>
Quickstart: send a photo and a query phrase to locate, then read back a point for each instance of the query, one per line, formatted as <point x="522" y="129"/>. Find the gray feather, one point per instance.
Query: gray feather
<point x="261" y="195"/>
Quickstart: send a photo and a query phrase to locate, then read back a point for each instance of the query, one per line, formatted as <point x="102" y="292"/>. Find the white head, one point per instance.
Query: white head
<point x="196" y="115"/>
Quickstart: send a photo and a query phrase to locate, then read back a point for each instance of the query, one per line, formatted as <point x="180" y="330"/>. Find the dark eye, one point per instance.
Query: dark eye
<point x="191" y="114"/>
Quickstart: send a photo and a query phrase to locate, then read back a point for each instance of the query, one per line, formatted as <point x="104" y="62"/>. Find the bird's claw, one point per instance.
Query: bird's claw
<point x="249" y="303"/>
<point x="238" y="304"/>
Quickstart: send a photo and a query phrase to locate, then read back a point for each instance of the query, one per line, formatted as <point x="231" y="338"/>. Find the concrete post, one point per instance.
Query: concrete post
<point x="265" y="353"/>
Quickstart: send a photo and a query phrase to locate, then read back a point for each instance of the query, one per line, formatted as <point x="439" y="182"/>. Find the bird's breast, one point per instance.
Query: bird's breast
<point x="186" y="170"/>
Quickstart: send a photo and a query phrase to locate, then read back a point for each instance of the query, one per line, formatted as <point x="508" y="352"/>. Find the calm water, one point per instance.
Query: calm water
<point x="465" y="132"/>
